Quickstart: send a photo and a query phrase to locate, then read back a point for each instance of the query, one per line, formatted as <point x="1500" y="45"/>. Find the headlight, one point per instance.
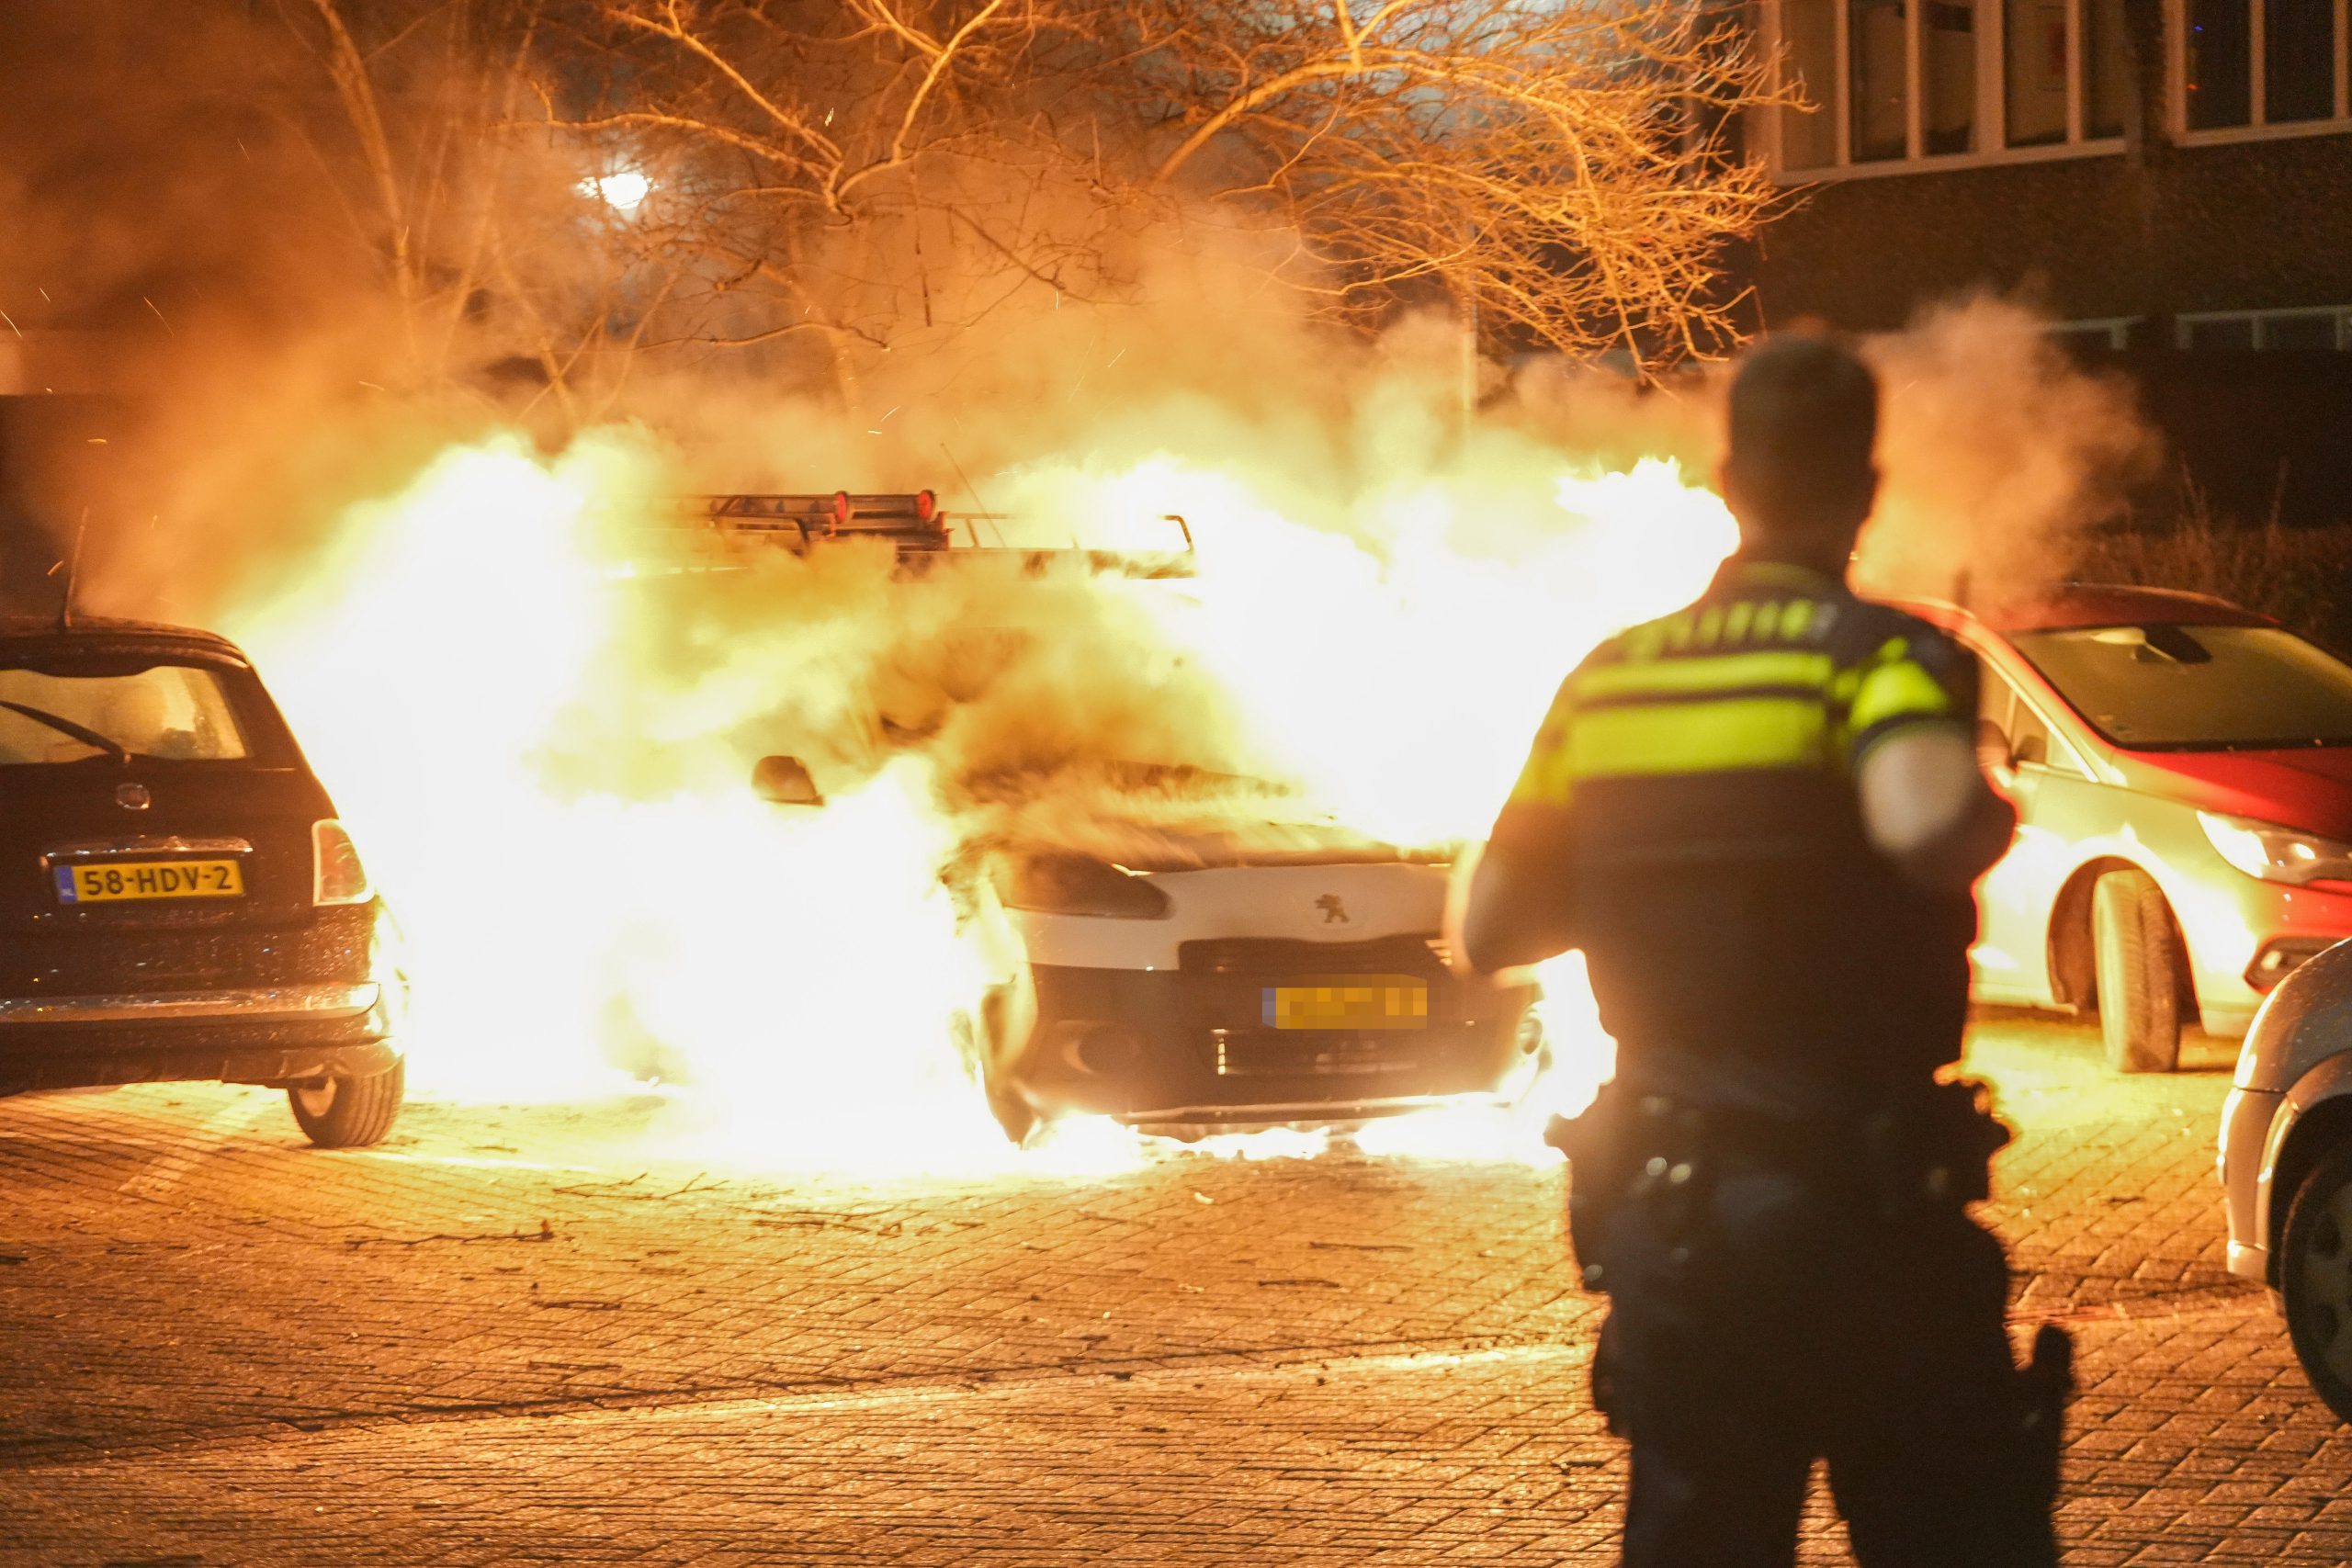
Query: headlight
<point x="336" y="876"/>
<point x="2275" y="853"/>
<point x="1078" y="885"/>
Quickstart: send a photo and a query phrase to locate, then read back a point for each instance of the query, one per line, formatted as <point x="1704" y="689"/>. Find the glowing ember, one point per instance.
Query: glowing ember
<point x="571" y="926"/>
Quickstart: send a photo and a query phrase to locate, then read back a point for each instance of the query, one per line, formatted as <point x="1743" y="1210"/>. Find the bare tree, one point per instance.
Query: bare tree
<point x="423" y="91"/>
<point x="848" y="169"/>
<point x="838" y="171"/>
<point x="1555" y="168"/>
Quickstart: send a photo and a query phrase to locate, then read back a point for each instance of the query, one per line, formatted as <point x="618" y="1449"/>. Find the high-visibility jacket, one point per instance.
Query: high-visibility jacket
<point x="1692" y="794"/>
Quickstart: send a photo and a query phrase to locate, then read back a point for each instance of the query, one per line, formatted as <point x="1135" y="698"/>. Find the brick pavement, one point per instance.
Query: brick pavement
<point x="513" y="1336"/>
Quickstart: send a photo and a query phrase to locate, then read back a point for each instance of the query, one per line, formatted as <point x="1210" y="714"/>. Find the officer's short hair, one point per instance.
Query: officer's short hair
<point x="1803" y="422"/>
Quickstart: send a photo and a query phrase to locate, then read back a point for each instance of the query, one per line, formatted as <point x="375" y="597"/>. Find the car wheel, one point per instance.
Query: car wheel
<point x="975" y="1038"/>
<point x="1014" y="1114"/>
<point x="350" y="1113"/>
<point x="2316" y="1277"/>
<point x="2136" y="956"/>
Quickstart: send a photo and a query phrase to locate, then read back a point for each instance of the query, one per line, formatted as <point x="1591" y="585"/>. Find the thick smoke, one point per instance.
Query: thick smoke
<point x="478" y="600"/>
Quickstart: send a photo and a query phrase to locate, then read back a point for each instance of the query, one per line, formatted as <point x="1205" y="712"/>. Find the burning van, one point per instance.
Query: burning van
<point x="1218" y="954"/>
<point x="1167" y="945"/>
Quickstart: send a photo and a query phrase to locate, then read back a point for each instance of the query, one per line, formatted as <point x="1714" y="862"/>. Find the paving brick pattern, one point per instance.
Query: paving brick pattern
<point x="511" y="1337"/>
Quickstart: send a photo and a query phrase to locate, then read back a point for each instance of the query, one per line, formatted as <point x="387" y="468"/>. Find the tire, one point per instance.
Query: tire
<point x="350" y="1113"/>
<point x="975" y="1039"/>
<point x="2137" y="957"/>
<point x="2316" y="1277"/>
<point x="1014" y="1114"/>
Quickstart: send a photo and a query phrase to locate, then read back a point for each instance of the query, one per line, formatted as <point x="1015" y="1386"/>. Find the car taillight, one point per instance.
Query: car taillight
<point x="336" y="876"/>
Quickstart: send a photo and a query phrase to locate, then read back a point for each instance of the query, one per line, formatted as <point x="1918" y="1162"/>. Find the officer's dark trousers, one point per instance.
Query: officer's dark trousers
<point x="1773" y="1324"/>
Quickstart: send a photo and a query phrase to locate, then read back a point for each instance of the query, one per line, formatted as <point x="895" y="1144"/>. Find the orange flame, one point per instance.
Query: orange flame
<point x="805" y="973"/>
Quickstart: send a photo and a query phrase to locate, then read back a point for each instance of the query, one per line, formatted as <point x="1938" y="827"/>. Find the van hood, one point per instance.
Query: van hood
<point x="1165" y="816"/>
<point x="1162" y="847"/>
<point x="2307" y="787"/>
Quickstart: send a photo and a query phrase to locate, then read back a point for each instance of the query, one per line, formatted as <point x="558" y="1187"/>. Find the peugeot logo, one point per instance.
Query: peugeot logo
<point x="1335" y="913"/>
<point x="133" y="796"/>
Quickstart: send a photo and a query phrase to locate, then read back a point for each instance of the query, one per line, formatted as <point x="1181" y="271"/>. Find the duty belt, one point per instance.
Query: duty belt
<point x="1930" y="1148"/>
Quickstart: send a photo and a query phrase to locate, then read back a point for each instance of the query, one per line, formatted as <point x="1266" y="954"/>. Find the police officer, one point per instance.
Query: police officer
<point x="1759" y="818"/>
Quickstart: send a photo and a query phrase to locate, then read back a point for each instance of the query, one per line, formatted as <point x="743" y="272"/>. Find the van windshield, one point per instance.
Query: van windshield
<point x="174" y="712"/>
<point x="2163" y="687"/>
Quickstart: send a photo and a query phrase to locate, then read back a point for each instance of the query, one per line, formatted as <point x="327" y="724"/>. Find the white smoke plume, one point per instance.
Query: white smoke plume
<point x="2001" y="455"/>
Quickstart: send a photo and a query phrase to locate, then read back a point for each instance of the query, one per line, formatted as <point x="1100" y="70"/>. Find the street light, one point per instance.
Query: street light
<point x="624" y="190"/>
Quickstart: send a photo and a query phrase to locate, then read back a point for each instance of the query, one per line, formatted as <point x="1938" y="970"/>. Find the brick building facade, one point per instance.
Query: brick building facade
<point x="2171" y="180"/>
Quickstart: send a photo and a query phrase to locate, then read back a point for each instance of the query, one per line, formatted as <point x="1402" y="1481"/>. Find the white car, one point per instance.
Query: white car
<point x="2286" y="1165"/>
<point x="1215" y="955"/>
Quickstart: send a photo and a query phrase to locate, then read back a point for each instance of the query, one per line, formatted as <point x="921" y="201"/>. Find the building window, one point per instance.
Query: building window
<point x="1948" y="73"/>
<point x="1809" y="44"/>
<point x="1890" y="82"/>
<point x="2038" y="71"/>
<point x="2246" y="64"/>
<point x="2325" y="328"/>
<point x="2107" y="68"/>
<point x="1878" y="36"/>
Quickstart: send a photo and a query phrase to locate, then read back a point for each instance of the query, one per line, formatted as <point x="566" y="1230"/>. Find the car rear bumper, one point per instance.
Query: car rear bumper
<point x="1151" y="1046"/>
<point x="263" y="1004"/>
<point x="273" y="1034"/>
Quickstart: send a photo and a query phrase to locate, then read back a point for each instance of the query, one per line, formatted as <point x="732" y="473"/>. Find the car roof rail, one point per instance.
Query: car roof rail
<point x="917" y="527"/>
<point x="911" y="521"/>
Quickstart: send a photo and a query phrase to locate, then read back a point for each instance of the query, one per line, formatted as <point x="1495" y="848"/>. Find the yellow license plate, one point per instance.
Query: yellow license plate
<point x="120" y="880"/>
<point x="1348" y="1001"/>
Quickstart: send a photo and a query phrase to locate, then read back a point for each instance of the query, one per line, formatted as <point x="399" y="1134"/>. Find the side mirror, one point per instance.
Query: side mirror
<point x="785" y="781"/>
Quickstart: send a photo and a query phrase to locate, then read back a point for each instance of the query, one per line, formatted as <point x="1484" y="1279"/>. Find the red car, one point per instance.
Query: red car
<point x="2182" y="770"/>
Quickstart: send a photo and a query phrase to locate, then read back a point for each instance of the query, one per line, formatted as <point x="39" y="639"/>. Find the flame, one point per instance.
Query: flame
<point x="569" y="930"/>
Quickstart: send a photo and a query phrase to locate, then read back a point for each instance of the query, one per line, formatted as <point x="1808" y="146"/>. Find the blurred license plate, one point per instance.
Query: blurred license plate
<point x="1348" y="1001"/>
<point x="149" y="879"/>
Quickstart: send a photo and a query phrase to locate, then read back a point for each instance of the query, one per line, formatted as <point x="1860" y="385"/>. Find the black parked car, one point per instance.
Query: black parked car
<point x="178" y="900"/>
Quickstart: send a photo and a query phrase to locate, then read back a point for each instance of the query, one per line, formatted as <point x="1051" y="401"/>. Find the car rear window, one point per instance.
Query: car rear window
<point x="174" y="712"/>
<point x="2165" y="687"/>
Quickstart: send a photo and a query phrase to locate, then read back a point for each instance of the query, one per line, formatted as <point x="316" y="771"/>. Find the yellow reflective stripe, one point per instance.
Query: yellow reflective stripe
<point x="1544" y="779"/>
<point x="1724" y="672"/>
<point x="1898" y="688"/>
<point x="1696" y="738"/>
